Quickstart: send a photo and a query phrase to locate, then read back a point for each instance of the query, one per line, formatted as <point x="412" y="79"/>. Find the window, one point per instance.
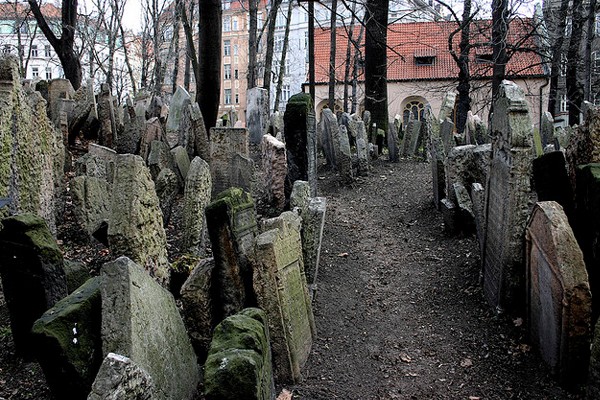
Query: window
<point x="226" y="4"/>
<point x="596" y="62"/>
<point x="227" y="71"/>
<point x="568" y="27"/>
<point x="286" y="67"/>
<point x="598" y="24"/>
<point x="285" y="93"/>
<point x="427" y="60"/>
<point x="278" y="47"/>
<point x="35" y="72"/>
<point x="34" y="50"/>
<point x="227" y="24"/>
<point x="235" y="49"/>
<point x="6" y="49"/>
<point x="23" y="28"/>
<point x="280" y="20"/>
<point x="563" y="65"/>
<point x="235" y="24"/>
<point x="236" y="74"/>
<point x="227" y="96"/>
<point x="414" y="108"/>
<point x="48" y="73"/>
<point x="226" y="47"/>
<point x="563" y="103"/>
<point x="47" y="52"/>
<point x="237" y="98"/>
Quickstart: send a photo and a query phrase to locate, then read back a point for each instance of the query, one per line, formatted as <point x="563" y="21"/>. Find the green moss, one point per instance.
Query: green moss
<point x="33" y="231"/>
<point x="301" y="98"/>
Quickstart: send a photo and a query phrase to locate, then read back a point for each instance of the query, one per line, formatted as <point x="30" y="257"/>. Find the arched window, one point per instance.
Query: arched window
<point x="416" y="108"/>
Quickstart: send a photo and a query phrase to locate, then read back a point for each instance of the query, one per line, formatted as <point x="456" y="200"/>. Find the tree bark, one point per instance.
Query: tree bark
<point x="208" y="79"/>
<point x="286" y="40"/>
<point x="464" y="76"/>
<point x="270" y="44"/>
<point x="332" y="51"/>
<point x="499" y="33"/>
<point x="587" y="60"/>
<point x="573" y="81"/>
<point x="252" y="43"/>
<point x="558" y="24"/>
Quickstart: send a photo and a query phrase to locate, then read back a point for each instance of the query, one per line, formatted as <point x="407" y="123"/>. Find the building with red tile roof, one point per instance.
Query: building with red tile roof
<point x="421" y="67"/>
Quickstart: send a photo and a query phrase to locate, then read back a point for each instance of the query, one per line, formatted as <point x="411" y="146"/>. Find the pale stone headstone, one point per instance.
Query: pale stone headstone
<point x="67" y="342"/>
<point x="343" y="154"/>
<point x="558" y="294"/>
<point x="107" y="118"/>
<point x="179" y="102"/>
<point x="459" y="166"/>
<point x="447" y="107"/>
<point x="239" y="364"/>
<point x="301" y="142"/>
<point x="130" y="136"/>
<point x="225" y="144"/>
<point x="58" y="89"/>
<point x="447" y="135"/>
<point x="197" y="132"/>
<point x="547" y="129"/>
<point x="280" y="285"/>
<point x="153" y="131"/>
<point x="242" y="172"/>
<point x="198" y="188"/>
<point x="135" y="227"/>
<point x="313" y="221"/>
<point x="362" y="149"/>
<point x="509" y="199"/>
<point x="182" y="161"/>
<point x="257" y="113"/>
<point x="167" y="188"/>
<point x="33" y="277"/>
<point x="232" y="227"/>
<point x="119" y="378"/>
<point x="91" y="198"/>
<point x="367" y="119"/>
<point x="274" y="160"/>
<point x="140" y="320"/>
<point x="300" y="195"/>
<point x="328" y="129"/>
<point x="159" y="158"/>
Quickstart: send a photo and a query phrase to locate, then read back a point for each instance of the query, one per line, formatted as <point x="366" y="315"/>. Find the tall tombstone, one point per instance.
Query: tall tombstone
<point x="257" y="113"/>
<point x="198" y="188"/>
<point x="225" y="145"/>
<point x="198" y="132"/>
<point x="547" y="129"/>
<point x="179" y="102"/>
<point x="32" y="272"/>
<point x="274" y="160"/>
<point x="29" y="148"/>
<point x="415" y="139"/>
<point x="559" y="300"/>
<point x="447" y="135"/>
<point x="343" y="155"/>
<point x="167" y="189"/>
<point x="232" y="227"/>
<point x="58" y="89"/>
<point x="159" y="158"/>
<point x="301" y="142"/>
<point x="280" y="285"/>
<point x="392" y="142"/>
<point x="135" y="227"/>
<point x="152" y="131"/>
<point x="406" y="137"/>
<point x="328" y="130"/>
<point x="140" y="320"/>
<point x="107" y="118"/>
<point x="459" y="168"/>
<point x="447" y="107"/>
<point x="509" y="198"/>
<point x="362" y="149"/>
<point x="437" y="152"/>
<point x="584" y="144"/>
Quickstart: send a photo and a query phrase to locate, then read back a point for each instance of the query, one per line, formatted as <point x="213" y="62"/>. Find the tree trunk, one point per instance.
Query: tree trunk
<point x="127" y="60"/>
<point x="558" y="24"/>
<point x="464" y="75"/>
<point x="348" y="63"/>
<point x="252" y="43"/>
<point x="332" y="50"/>
<point x="208" y="79"/>
<point x="270" y="44"/>
<point x="587" y="60"/>
<point x="376" y="62"/>
<point x="574" y="84"/>
<point x="499" y="33"/>
<point x="355" y="67"/>
<point x="286" y="40"/>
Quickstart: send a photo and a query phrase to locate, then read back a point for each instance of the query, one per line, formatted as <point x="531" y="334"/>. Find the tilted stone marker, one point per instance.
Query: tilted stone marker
<point x="135" y="227"/>
<point x="447" y="107"/>
<point x="257" y="113"/>
<point x="239" y="363"/>
<point x="558" y="294"/>
<point x="119" y="378"/>
<point x="159" y="158"/>
<point x="341" y="145"/>
<point x="182" y="161"/>
<point x="447" y="135"/>
<point x="274" y="161"/>
<point x="198" y="187"/>
<point x="459" y="167"/>
<point x="232" y="227"/>
<point x="67" y="342"/>
<point x="33" y="278"/>
<point x="509" y="200"/>
<point x="225" y="144"/>
<point x="329" y="129"/>
<point x="140" y="320"/>
<point x="280" y="285"/>
<point x="362" y="148"/>
<point x="179" y="101"/>
<point x="415" y="139"/>
<point x="167" y="188"/>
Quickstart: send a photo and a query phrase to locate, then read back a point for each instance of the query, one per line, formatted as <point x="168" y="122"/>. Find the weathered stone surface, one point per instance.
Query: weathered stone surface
<point x="313" y="221"/>
<point x="196" y="300"/>
<point x="76" y="273"/>
<point x="341" y="145"/>
<point x="558" y="294"/>
<point x="509" y="200"/>
<point x="33" y="278"/>
<point x="140" y="320"/>
<point x="198" y="187"/>
<point x="196" y="132"/>
<point x="167" y="188"/>
<point x="547" y="129"/>
<point x="464" y="205"/>
<point x="328" y="129"/>
<point x="58" y="89"/>
<point x="239" y="364"/>
<point x="130" y="136"/>
<point x="135" y="227"/>
<point x="551" y="181"/>
<point x="182" y="161"/>
<point x="153" y="131"/>
<point x="300" y="196"/>
<point x="94" y="165"/>
<point x="478" y="201"/>
<point x="280" y="286"/>
<point x="301" y="142"/>
<point x="447" y="107"/>
<point x="362" y="149"/>
<point x="459" y="166"/>
<point x="159" y="158"/>
<point x="225" y="144"/>
<point x="242" y="172"/>
<point x="584" y="144"/>
<point x="415" y="139"/>
<point x="119" y="378"/>
<point x="257" y="113"/>
<point x="274" y="161"/>
<point x="67" y="342"/>
<point x="449" y="213"/>
<point x="392" y="141"/>
<point x="180" y="100"/>
<point x="91" y="202"/>
<point x="232" y="227"/>
<point x="107" y="117"/>
<point x="28" y="148"/>
<point x="447" y="135"/>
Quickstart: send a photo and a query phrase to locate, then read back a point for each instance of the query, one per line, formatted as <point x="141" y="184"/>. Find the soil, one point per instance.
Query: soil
<point x="399" y="308"/>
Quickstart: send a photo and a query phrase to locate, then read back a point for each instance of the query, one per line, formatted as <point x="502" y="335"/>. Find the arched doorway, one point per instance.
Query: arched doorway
<point x="414" y="106"/>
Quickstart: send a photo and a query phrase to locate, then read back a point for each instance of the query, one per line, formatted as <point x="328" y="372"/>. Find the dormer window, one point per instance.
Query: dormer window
<point x="424" y="60"/>
<point x="425" y="56"/>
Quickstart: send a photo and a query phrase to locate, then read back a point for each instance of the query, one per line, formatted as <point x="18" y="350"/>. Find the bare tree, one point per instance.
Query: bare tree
<point x="270" y="43"/>
<point x="282" y="62"/>
<point x="208" y="79"/>
<point x="252" y="43"/>
<point x="332" y="51"/>
<point x="500" y="15"/>
<point x="63" y="46"/>
<point x="557" y="23"/>
<point x="573" y="82"/>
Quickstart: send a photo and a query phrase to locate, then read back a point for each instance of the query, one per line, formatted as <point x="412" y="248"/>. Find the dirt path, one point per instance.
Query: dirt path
<point x="399" y="309"/>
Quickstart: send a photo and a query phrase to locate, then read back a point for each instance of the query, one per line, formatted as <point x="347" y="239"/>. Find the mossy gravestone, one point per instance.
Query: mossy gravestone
<point x="239" y="361"/>
<point x="197" y="192"/>
<point x="119" y="378"/>
<point x="33" y="277"/>
<point x="67" y="342"/>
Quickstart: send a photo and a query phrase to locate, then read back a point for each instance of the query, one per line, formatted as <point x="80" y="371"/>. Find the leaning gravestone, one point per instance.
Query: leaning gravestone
<point x="225" y="144"/>
<point x="558" y="294"/>
<point x="447" y="135"/>
<point x="198" y="187"/>
<point x="509" y="199"/>
<point x="140" y="320"/>
<point x="447" y="107"/>
<point x="280" y="285"/>
<point x="329" y="129"/>
<point x="159" y="158"/>
<point x="362" y="149"/>
<point x="232" y="227"/>
<point x="120" y="378"/>
<point x="257" y="113"/>
<point x="33" y="278"/>
<point x="182" y="161"/>
<point x="179" y="101"/>
<point x="313" y="222"/>
<point x="274" y="162"/>
<point x="135" y="227"/>
<point x="301" y="142"/>
<point x="197" y="135"/>
<point x="415" y="137"/>
<point x="91" y="202"/>
<point x="392" y="141"/>
<point x="152" y="131"/>
<point x="438" y="157"/>
<point x="167" y="188"/>
<point x="67" y="342"/>
<point x="341" y="145"/>
<point x="547" y="129"/>
<point x="459" y="167"/>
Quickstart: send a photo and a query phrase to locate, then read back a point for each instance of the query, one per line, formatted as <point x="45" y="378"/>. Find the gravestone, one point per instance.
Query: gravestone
<point x="91" y="198"/>
<point x="447" y="107"/>
<point x="300" y="196"/>
<point x="242" y="172"/>
<point x="198" y="187"/>
<point x="274" y="161"/>
<point x="584" y="144"/>
<point x="135" y="227"/>
<point x="140" y="320"/>
<point x="392" y="142"/>
<point x="197" y="304"/>
<point x="313" y="221"/>
<point x="106" y="117"/>
<point x="478" y="201"/>
<point x="558" y="294"/>
<point x="182" y="161"/>
<point x="343" y="156"/>
<point x="153" y="131"/>
<point x="232" y="227"/>
<point x="447" y="135"/>
<point x="465" y="217"/>
<point x="415" y="137"/>
<point x="167" y="188"/>
<point x="197" y="132"/>
<point x="301" y="142"/>
<point x="58" y="89"/>
<point x="159" y="158"/>
<point x="257" y="113"/>
<point x="180" y="100"/>
<point x="239" y="364"/>
<point x="225" y="144"/>
<point x="362" y="149"/>
<point x="121" y="378"/>
<point x="67" y="342"/>
<point x="131" y="134"/>
<point x="509" y="200"/>
<point x="33" y="277"/>
<point x="459" y="167"/>
<point x="328" y="130"/>
<point x="438" y="157"/>
<point x="280" y="285"/>
<point x="551" y="181"/>
<point x="547" y="129"/>
<point x="407" y="137"/>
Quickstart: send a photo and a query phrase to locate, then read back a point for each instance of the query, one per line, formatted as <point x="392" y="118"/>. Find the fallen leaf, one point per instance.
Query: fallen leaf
<point x="285" y="395"/>
<point x="466" y="363"/>
<point x="343" y="255"/>
<point x="474" y="398"/>
<point x="405" y="358"/>
<point x="518" y="321"/>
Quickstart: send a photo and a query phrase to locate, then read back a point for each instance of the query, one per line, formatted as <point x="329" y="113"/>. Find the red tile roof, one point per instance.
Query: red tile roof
<point x="20" y="10"/>
<point x="406" y="41"/>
